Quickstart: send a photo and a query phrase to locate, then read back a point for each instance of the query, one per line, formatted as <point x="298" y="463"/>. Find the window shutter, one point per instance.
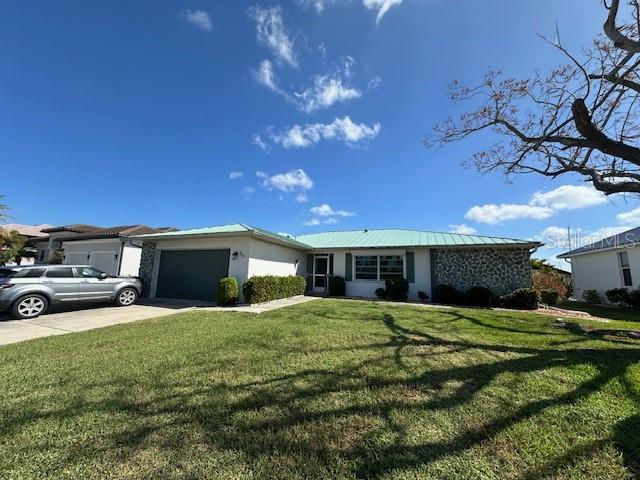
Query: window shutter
<point x="331" y="264"/>
<point x="411" y="272"/>
<point x="348" y="267"/>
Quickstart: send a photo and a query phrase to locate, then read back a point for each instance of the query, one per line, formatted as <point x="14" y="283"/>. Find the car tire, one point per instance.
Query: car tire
<point x="30" y="306"/>
<point x="127" y="296"/>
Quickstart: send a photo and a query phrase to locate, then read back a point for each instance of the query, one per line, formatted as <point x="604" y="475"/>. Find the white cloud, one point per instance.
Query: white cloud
<point x="542" y="205"/>
<point x="235" y="175"/>
<point x="325" y="91"/>
<point x="318" y="5"/>
<point x="374" y="83"/>
<point x="312" y="222"/>
<point x="248" y="191"/>
<point x="302" y="197"/>
<point x="330" y="221"/>
<point x="259" y="142"/>
<point x="265" y="76"/>
<point x="286" y="182"/>
<point x="569" y="197"/>
<point x="271" y="31"/>
<point x="560" y="237"/>
<point x="493" y="214"/>
<point x="382" y="6"/>
<point x="342" y="129"/>
<point x="463" y="229"/>
<point x="630" y="218"/>
<point x="199" y="18"/>
<point x="325" y="210"/>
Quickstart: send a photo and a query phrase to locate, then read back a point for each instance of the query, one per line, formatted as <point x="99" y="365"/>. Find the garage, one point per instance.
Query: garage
<point x="191" y="274"/>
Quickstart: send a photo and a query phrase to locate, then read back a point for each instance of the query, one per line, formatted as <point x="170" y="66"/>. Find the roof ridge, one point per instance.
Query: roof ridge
<point x="407" y="230"/>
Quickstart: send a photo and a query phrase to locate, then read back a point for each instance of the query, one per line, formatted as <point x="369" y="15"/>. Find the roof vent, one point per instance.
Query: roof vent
<point x="365" y="230"/>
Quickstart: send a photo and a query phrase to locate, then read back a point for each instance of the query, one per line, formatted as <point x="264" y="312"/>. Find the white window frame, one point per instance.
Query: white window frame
<point x="377" y="255"/>
<point x="623" y="268"/>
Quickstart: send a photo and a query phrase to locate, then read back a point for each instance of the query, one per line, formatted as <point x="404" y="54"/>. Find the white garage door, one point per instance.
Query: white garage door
<point x="104" y="261"/>
<point x="76" y="258"/>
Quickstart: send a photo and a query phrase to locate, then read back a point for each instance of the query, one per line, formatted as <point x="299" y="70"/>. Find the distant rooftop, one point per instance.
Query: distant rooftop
<point x="624" y="239"/>
<point x="87" y="232"/>
<point x="27" y="230"/>
<point x="355" y="238"/>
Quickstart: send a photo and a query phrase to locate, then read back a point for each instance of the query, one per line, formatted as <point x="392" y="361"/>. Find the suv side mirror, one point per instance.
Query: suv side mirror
<point x="102" y="276"/>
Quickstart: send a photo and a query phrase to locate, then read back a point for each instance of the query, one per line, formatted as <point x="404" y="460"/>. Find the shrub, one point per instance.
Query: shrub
<point x="446" y="294"/>
<point x="265" y="288"/>
<point x="618" y="295"/>
<point x="591" y="296"/>
<point x="633" y="299"/>
<point x="423" y="296"/>
<point x="550" y="297"/>
<point x="228" y="291"/>
<point x="479" y="297"/>
<point x="550" y="281"/>
<point x="381" y="293"/>
<point x="337" y="287"/>
<point x="396" y="288"/>
<point x="522" y="299"/>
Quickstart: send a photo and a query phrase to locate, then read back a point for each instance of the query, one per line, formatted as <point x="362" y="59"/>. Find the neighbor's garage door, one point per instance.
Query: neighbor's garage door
<point x="191" y="274"/>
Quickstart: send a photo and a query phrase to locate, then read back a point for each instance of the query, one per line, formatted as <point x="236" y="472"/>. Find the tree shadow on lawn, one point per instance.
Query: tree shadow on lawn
<point x="308" y="418"/>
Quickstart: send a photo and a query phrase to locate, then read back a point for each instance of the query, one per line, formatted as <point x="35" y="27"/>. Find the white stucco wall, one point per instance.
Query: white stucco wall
<point x="79" y="252"/>
<point x="238" y="268"/>
<point x="270" y="259"/>
<point x="130" y="263"/>
<point x="601" y="271"/>
<point x="367" y="288"/>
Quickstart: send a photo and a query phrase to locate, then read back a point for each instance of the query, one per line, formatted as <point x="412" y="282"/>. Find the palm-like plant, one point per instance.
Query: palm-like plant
<point x="3" y="209"/>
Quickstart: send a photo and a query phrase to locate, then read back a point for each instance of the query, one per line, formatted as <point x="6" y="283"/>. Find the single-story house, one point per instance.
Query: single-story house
<point x="110" y="249"/>
<point x="187" y="264"/>
<point x="613" y="262"/>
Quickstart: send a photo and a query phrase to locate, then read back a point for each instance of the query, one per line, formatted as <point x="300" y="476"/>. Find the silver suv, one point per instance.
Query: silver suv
<point x="29" y="291"/>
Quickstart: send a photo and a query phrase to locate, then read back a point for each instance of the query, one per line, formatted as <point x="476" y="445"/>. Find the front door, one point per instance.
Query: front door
<point x="320" y="271"/>
<point x="63" y="282"/>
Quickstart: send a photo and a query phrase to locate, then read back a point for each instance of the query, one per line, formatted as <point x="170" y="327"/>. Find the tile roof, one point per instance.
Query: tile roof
<point x="628" y="238"/>
<point x="76" y="228"/>
<point x="27" y="230"/>
<point x="113" y="232"/>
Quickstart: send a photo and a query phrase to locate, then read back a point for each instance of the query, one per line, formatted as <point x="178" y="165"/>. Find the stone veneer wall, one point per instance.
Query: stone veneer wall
<point x="146" y="266"/>
<point x="502" y="270"/>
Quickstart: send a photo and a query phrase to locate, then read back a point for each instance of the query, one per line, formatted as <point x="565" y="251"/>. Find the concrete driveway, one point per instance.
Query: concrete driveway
<point x="90" y="317"/>
<point x="69" y="321"/>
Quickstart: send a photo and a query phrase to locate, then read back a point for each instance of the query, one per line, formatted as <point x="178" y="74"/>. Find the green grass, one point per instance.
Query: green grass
<point x="327" y="389"/>
<point x="613" y="313"/>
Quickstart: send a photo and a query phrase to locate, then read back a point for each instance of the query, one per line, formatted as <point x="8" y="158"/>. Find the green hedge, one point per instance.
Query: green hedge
<point x="269" y="287"/>
<point x="228" y="291"/>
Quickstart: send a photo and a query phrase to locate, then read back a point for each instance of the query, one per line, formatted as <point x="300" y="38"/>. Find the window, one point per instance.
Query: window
<point x="89" y="272"/>
<point x="6" y="273"/>
<point x="30" y="273"/>
<point x="367" y="267"/>
<point x="625" y="268"/>
<point x="374" y="267"/>
<point x="391" y="266"/>
<point x="59" y="272"/>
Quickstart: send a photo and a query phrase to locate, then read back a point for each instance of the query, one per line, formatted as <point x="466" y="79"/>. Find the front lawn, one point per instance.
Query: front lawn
<point x="326" y="389"/>
<point x="605" y="311"/>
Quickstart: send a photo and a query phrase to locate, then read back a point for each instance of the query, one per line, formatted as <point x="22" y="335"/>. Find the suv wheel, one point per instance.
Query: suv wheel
<point x="126" y="297"/>
<point x="30" y="306"/>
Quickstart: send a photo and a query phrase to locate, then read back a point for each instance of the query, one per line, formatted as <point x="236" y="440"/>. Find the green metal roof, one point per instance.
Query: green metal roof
<point x="234" y="228"/>
<point x="351" y="239"/>
<point x="402" y="238"/>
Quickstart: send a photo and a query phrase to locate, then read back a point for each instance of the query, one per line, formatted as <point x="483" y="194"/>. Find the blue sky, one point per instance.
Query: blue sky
<point x="141" y="112"/>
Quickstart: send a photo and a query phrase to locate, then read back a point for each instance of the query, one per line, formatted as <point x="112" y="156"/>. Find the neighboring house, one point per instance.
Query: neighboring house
<point x="613" y="262"/>
<point x="188" y="264"/>
<point x="108" y="249"/>
<point x="33" y="234"/>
